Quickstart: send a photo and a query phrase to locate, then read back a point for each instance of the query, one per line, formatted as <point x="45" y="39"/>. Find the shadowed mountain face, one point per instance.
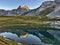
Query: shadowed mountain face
<point x="56" y="12"/>
<point x="57" y="1"/>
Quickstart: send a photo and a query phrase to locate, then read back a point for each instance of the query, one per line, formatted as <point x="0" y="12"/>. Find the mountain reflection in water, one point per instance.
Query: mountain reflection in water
<point x="33" y="37"/>
<point x="26" y="39"/>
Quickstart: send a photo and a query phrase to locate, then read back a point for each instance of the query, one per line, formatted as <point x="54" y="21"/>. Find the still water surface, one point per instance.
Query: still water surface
<point x="32" y="37"/>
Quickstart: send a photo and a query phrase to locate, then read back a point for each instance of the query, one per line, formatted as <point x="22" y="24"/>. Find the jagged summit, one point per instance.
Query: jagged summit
<point x="19" y="8"/>
<point x="25" y="7"/>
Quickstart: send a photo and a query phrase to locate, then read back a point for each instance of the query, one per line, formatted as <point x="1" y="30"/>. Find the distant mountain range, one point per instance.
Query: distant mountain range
<point x="14" y="12"/>
<point x="47" y="8"/>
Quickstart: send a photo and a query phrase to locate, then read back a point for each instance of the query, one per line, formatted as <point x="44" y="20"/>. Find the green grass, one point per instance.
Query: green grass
<point x="4" y="21"/>
<point x="24" y="22"/>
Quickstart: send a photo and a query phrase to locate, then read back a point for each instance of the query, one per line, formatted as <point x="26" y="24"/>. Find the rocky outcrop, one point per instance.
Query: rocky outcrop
<point x="14" y="12"/>
<point x="49" y="8"/>
<point x="56" y="12"/>
<point x="40" y="9"/>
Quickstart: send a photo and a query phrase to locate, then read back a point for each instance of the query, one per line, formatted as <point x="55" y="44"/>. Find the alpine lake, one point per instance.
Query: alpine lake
<point x="31" y="36"/>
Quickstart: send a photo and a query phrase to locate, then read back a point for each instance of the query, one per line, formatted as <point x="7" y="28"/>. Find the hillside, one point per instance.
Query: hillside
<point x="41" y="9"/>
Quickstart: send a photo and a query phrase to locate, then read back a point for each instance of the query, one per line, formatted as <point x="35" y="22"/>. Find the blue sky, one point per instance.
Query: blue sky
<point x="13" y="4"/>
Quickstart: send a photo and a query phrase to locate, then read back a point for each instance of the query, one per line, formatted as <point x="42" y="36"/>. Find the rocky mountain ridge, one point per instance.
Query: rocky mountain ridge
<point x="40" y="9"/>
<point x="49" y="8"/>
<point x="14" y="12"/>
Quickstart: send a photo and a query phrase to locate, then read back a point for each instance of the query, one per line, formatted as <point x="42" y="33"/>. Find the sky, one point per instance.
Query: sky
<point x="13" y="4"/>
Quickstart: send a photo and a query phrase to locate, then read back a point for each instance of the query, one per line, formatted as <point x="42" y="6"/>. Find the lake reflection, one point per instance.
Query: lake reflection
<point x="30" y="37"/>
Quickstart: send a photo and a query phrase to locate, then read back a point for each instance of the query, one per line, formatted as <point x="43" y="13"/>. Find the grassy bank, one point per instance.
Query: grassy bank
<point x="4" y="21"/>
<point x="24" y="22"/>
<point x="4" y="41"/>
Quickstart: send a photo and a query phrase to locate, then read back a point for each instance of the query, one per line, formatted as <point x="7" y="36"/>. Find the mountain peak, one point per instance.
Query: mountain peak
<point x="19" y="8"/>
<point x="25" y="7"/>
